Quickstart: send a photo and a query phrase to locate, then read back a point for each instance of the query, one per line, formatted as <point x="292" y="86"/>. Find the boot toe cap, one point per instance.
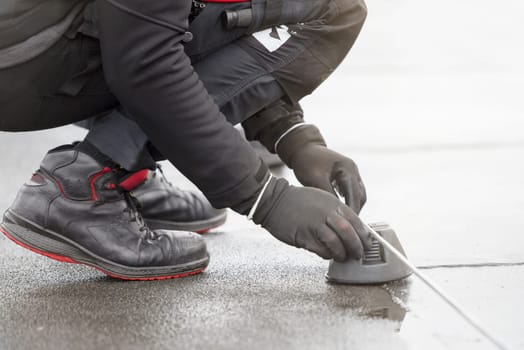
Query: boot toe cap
<point x="186" y="247"/>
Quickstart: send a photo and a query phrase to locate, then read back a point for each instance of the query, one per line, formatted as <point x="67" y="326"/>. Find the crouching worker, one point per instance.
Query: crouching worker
<point x="165" y="79"/>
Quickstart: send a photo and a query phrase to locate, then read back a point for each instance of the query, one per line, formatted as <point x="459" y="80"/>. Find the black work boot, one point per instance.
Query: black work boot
<point x="77" y="209"/>
<point x="165" y="206"/>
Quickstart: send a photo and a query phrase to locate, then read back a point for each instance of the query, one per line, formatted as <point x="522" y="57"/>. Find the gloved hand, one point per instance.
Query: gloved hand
<point x="312" y="219"/>
<point x="318" y="166"/>
<point x="315" y="165"/>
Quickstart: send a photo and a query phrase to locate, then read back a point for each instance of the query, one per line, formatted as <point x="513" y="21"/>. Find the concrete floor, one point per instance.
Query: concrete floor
<point x="429" y="104"/>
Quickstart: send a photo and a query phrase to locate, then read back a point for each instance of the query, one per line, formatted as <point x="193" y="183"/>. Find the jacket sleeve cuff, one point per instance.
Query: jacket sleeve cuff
<point x="269" y="124"/>
<point x="297" y="138"/>
<point x="242" y="197"/>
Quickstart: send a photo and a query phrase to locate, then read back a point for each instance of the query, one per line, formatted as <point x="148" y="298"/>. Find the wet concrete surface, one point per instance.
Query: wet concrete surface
<point x="257" y="293"/>
<point x="429" y="105"/>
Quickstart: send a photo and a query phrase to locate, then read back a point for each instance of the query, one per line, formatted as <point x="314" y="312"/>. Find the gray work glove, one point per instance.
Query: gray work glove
<point x="315" y="165"/>
<point x="311" y="219"/>
<point x="318" y="166"/>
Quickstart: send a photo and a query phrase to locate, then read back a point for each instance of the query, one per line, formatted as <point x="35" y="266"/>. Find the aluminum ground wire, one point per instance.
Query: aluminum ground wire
<point x="440" y="292"/>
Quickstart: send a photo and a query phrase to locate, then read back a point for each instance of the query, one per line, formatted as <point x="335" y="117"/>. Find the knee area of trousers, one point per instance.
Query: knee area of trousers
<point x="362" y="11"/>
<point x="352" y="12"/>
<point x="347" y="25"/>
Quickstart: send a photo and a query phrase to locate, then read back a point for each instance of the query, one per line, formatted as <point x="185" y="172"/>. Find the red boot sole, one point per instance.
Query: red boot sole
<point x="71" y="261"/>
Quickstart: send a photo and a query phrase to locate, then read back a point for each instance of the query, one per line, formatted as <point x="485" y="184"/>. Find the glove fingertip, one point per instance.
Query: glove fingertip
<point x="366" y="239"/>
<point x="368" y="243"/>
<point x="340" y="257"/>
<point x="359" y="254"/>
<point x="339" y="260"/>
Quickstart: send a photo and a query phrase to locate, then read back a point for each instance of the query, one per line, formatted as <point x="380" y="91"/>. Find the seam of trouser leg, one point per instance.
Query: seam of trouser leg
<point x="266" y="69"/>
<point x="299" y="47"/>
<point x="231" y="93"/>
<point x="269" y="69"/>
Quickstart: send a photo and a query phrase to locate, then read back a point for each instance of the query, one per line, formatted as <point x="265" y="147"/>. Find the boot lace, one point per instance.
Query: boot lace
<point x="135" y="216"/>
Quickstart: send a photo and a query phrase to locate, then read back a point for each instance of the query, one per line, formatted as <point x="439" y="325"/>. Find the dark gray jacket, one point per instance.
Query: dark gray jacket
<point x="147" y="69"/>
<point x="29" y="27"/>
